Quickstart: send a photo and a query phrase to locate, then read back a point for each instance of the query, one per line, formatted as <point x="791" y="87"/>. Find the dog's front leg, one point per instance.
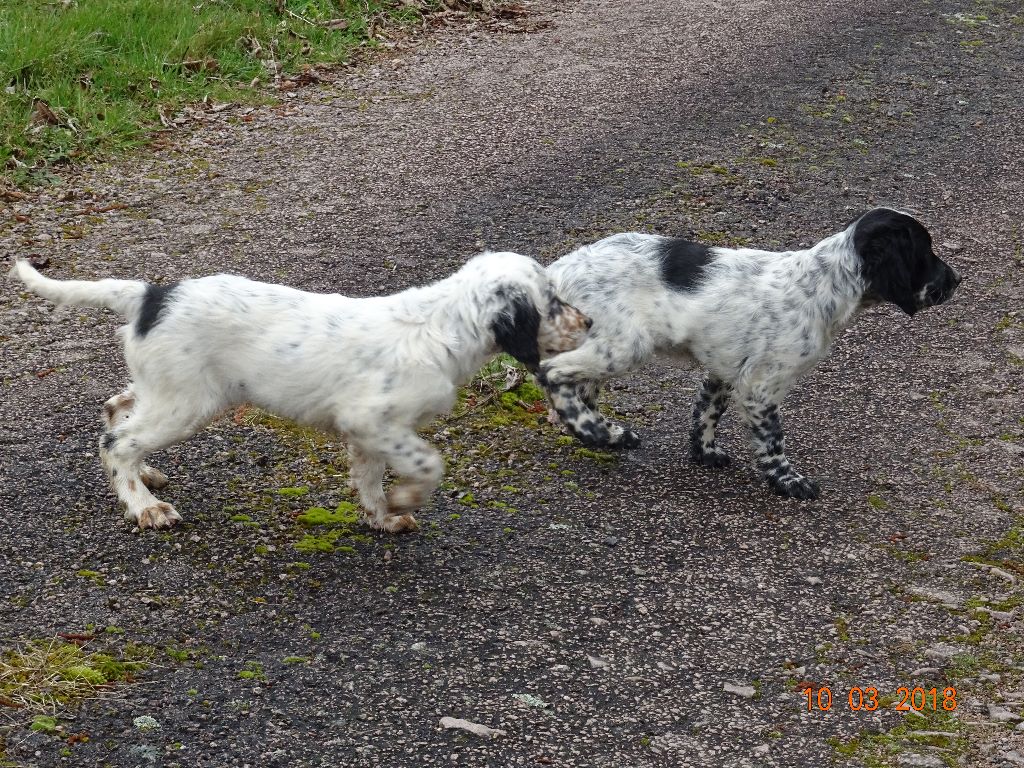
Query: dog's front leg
<point x="707" y="412"/>
<point x="419" y="468"/>
<point x="769" y="444"/>
<point x="572" y="386"/>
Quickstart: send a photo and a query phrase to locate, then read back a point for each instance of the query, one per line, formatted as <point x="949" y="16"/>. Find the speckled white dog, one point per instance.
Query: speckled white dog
<point x="756" y="320"/>
<point x="370" y="370"/>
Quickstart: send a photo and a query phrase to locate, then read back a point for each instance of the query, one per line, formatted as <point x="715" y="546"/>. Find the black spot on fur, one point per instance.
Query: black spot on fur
<point x="153" y="304"/>
<point x="108" y="441"/>
<point x="516" y="328"/>
<point x="683" y="262"/>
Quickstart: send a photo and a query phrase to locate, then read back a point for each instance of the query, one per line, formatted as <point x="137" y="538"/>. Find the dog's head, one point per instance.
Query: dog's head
<point x="531" y="322"/>
<point x="897" y="261"/>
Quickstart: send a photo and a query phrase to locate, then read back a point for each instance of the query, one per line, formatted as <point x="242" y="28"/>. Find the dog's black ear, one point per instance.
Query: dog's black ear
<point x="894" y="250"/>
<point x="516" y="327"/>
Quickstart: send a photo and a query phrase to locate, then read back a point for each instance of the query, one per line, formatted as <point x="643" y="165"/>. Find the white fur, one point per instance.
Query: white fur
<point x="371" y="370"/>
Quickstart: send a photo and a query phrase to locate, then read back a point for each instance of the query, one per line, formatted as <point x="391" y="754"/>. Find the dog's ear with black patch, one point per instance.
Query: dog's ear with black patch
<point x="516" y="327"/>
<point x="893" y="248"/>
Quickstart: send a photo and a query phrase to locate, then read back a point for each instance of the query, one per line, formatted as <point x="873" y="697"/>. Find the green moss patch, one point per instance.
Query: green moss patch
<point x="332" y="529"/>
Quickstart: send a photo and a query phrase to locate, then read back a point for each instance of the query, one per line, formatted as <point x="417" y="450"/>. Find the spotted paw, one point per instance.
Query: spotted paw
<point x="159" y="515"/>
<point x="153" y="478"/>
<point x="714" y="457"/>
<point x="795" y="486"/>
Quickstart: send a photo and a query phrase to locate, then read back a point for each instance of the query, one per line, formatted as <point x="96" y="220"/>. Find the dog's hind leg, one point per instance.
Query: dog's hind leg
<point x="123" y="448"/>
<point x="707" y="412"/>
<point x="117" y="410"/>
<point x="572" y="381"/>
<point x="366" y="476"/>
<point x="769" y="444"/>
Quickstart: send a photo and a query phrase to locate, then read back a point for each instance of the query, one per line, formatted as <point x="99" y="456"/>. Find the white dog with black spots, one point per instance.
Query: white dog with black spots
<point x="755" y="320"/>
<point x="370" y="370"/>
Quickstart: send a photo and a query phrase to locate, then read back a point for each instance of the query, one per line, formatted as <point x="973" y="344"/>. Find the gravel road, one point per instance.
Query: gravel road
<point x="623" y="611"/>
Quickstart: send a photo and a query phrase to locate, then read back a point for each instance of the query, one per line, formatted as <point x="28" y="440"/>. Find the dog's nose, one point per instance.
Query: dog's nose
<point x="956" y="278"/>
<point x="589" y="322"/>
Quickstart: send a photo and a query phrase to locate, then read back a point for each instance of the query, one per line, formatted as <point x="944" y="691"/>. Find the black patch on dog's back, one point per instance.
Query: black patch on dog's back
<point x="153" y="304"/>
<point x="683" y="262"/>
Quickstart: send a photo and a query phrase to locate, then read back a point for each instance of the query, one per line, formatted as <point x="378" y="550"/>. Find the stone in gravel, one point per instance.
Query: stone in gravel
<point x="920" y="761"/>
<point x="597" y="662"/>
<point x="948" y="599"/>
<point x="926" y="672"/>
<point x="1013" y="757"/>
<point x="145" y="752"/>
<point x="746" y="691"/>
<point x="1002" y="714"/>
<point x="813" y="580"/>
<point x="942" y="651"/>
<point x="1019" y="727"/>
<point x="761" y="749"/>
<point x="475" y="728"/>
<point x="530" y="700"/>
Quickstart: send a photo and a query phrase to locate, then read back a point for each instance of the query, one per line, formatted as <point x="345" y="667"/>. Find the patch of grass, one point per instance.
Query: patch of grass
<point x="877" y="502"/>
<point x="96" y="75"/>
<point x="54" y="676"/>
<point x="94" y="576"/>
<point x="842" y="625"/>
<point x="875" y="750"/>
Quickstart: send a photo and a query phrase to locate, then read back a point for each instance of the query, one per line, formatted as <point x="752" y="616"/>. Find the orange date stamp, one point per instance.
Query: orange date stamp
<point x="867" y="699"/>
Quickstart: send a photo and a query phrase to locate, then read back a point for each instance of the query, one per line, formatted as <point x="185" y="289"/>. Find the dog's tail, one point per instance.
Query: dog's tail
<point x="123" y="296"/>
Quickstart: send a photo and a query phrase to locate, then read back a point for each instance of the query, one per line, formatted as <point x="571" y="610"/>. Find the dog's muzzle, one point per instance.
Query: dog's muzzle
<point x="941" y="289"/>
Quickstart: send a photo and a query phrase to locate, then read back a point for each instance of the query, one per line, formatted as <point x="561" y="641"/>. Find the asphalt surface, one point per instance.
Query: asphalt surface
<point x="593" y="610"/>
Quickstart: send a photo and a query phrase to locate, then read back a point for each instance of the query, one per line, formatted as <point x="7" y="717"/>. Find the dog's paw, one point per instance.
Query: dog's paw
<point x="623" y="438"/>
<point x="795" y="486"/>
<point x="153" y="478"/>
<point x="159" y="515"/>
<point x="714" y="457"/>
<point x="400" y="524"/>
<point x="405" y="497"/>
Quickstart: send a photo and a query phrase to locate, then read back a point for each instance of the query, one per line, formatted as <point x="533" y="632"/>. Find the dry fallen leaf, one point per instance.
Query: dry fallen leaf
<point x="41" y="113"/>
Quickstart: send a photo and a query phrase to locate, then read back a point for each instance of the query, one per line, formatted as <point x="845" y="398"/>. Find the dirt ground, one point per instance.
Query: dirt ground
<point x="592" y="607"/>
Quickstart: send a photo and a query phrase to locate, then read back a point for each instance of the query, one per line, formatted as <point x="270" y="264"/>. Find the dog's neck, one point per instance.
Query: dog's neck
<point x="458" y="331"/>
<point x="833" y="268"/>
